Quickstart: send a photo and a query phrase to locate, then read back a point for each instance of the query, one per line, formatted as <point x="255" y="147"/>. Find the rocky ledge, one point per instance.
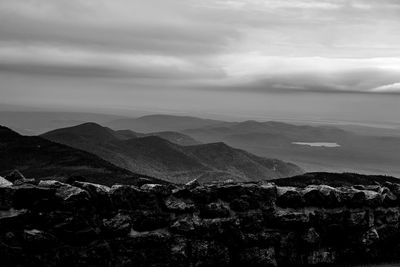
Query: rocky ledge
<point x="49" y="223"/>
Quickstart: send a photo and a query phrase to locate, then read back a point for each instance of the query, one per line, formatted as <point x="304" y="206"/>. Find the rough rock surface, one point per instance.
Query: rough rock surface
<point x="231" y="224"/>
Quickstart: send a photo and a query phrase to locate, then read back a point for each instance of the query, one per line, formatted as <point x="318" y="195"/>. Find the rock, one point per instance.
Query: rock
<point x="226" y="229"/>
<point x="202" y="194"/>
<point x="38" y="239"/>
<point x="158" y="189"/>
<point x="289" y="197"/>
<point x="262" y="238"/>
<point x="356" y="218"/>
<point x="120" y="224"/>
<point x="14" y="176"/>
<point x="384" y="216"/>
<point x="235" y="224"/>
<point x="179" y="252"/>
<point x="209" y="253"/>
<point x="321" y="196"/>
<point x="99" y="195"/>
<point x="240" y="205"/>
<point x="132" y="198"/>
<point x="251" y="221"/>
<point x="372" y="198"/>
<point x="326" y="218"/>
<point x="25" y="181"/>
<point x="321" y="256"/>
<point x="4" y="182"/>
<point x="214" y="210"/>
<point x="149" y="220"/>
<point x="192" y="184"/>
<point x="258" y="257"/>
<point x="392" y="216"/>
<point x="291" y="218"/>
<point x="311" y="236"/>
<point x="13" y="219"/>
<point x="66" y="192"/>
<point x="30" y="196"/>
<point x="93" y="189"/>
<point x="370" y="237"/>
<point x="6" y="197"/>
<point x="178" y="205"/>
<point x="352" y="197"/>
<point x="186" y="225"/>
<point x="389" y="199"/>
<point x="253" y="193"/>
<point x="76" y="230"/>
<point x="148" y="238"/>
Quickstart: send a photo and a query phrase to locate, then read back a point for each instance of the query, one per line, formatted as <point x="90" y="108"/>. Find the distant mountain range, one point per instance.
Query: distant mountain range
<point x="38" y="122"/>
<point x="351" y="152"/>
<point x="355" y="148"/>
<point x="154" y="155"/>
<point x="38" y="158"/>
<point x="359" y="149"/>
<point x="158" y="123"/>
<point x="173" y="137"/>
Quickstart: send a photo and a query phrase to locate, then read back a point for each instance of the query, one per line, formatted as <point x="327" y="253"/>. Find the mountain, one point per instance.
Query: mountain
<point x="40" y="158"/>
<point x="37" y="122"/>
<point x="160" y="158"/>
<point x="158" y="123"/>
<point x="304" y="145"/>
<point x="174" y="137"/>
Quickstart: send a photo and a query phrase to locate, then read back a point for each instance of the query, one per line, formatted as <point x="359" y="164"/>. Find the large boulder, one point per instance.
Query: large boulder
<point x="99" y="195"/>
<point x="4" y="182"/>
<point x="15" y="176"/>
<point x="290" y="197"/>
<point x="132" y="198"/>
<point x="120" y="224"/>
<point x="321" y="196"/>
<point x="65" y="192"/>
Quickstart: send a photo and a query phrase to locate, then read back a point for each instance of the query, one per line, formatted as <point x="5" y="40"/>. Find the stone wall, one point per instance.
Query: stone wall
<point x="56" y="224"/>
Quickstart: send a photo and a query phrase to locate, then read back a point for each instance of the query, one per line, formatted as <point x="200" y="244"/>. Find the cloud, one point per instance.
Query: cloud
<point x="247" y="45"/>
<point x="70" y="62"/>
<point x="388" y="88"/>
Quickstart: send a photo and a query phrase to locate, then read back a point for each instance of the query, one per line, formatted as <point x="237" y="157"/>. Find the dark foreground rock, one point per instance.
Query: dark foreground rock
<point x="84" y="224"/>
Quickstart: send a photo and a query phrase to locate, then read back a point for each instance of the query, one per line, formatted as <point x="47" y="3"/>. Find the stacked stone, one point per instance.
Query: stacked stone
<point x="49" y="223"/>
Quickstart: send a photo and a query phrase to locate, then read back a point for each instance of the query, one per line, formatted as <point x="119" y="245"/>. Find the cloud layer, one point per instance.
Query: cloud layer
<point x="247" y="46"/>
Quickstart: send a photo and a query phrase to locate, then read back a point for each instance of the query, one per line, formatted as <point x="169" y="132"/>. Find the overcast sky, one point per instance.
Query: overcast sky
<point x="306" y="59"/>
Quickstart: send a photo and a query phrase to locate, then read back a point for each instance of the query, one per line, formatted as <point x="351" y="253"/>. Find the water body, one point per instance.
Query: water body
<point x="317" y="144"/>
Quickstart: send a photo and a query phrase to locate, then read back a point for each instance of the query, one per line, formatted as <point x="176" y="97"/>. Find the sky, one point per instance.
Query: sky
<point x="333" y="60"/>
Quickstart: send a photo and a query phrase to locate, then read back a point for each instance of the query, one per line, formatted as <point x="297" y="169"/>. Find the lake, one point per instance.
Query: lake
<point x="317" y="144"/>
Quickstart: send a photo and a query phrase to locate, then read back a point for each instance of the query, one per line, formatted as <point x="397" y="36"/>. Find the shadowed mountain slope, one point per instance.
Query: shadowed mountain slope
<point x="40" y="158"/>
<point x="158" y="157"/>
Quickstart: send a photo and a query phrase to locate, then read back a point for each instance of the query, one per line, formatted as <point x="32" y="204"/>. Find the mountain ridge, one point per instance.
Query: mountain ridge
<point x="41" y="158"/>
<point x="158" y="157"/>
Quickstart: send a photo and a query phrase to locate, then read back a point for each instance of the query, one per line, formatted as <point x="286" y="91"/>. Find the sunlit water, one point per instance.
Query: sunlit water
<point x="317" y="144"/>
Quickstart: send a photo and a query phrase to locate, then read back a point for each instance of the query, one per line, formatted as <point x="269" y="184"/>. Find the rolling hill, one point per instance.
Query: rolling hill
<point x="38" y="158"/>
<point x="160" y="158"/>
